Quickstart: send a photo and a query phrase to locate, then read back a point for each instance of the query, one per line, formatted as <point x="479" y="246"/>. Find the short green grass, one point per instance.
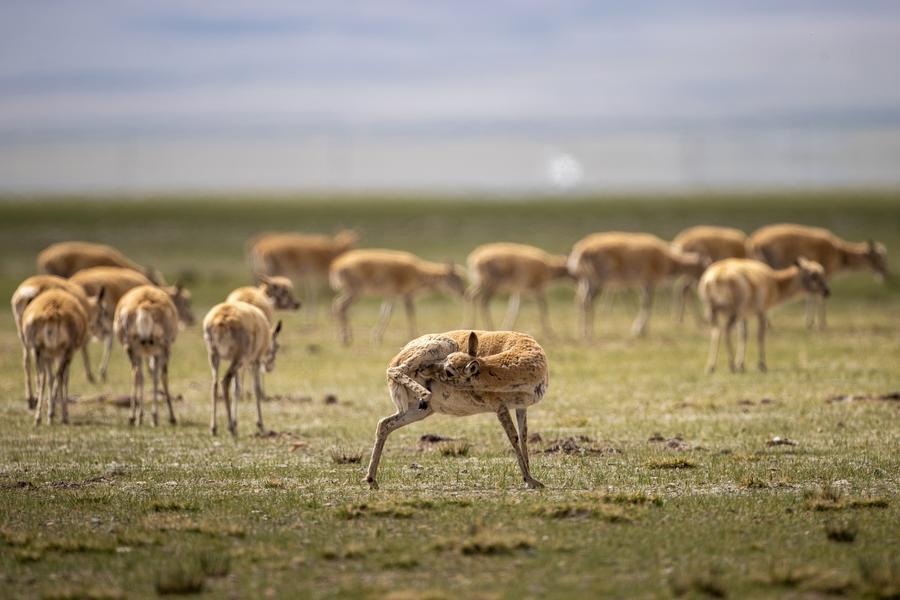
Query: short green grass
<point x="660" y="479"/>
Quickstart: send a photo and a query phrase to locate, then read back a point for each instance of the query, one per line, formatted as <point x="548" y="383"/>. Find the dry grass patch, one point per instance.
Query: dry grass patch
<point x="346" y="456"/>
<point x="363" y="509"/>
<point x="671" y="463"/>
<point x="830" y="498"/>
<point x="633" y="498"/>
<point x="585" y="510"/>
<point x="84" y="593"/>
<point x="180" y="578"/>
<point x="455" y="449"/>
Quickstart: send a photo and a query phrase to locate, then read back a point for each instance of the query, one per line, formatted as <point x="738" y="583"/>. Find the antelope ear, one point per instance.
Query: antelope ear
<point x="472" y="369"/>
<point x="473" y="344"/>
<point x="265" y="279"/>
<point x="101" y="294"/>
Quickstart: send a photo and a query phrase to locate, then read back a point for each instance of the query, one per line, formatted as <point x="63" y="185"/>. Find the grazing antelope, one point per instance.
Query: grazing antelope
<point x="146" y="324"/>
<point x="781" y="245"/>
<point x="738" y="288"/>
<point x="54" y="327"/>
<point x="463" y="373"/>
<point x="390" y="274"/>
<point x="626" y="259"/>
<point x="273" y="293"/>
<point x="712" y="243"/>
<point x="301" y="257"/>
<point x="239" y="332"/>
<point x="67" y="258"/>
<point x="30" y="289"/>
<point x="514" y="268"/>
<point x="116" y="281"/>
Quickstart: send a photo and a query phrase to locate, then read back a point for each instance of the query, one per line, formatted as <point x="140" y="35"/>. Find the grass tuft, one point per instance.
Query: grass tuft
<point x="346" y="456"/>
<point x="455" y="449"/>
<point x="671" y="463"/>
<point x="493" y="544"/>
<point x="180" y="578"/>
<point x="84" y="593"/>
<point x="584" y="510"/>
<point x="840" y="531"/>
<point x="357" y="511"/>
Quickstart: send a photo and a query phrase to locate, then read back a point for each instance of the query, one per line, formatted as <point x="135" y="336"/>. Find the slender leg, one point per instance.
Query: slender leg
<point x="387" y="308"/>
<point x="522" y="419"/>
<point x="585" y="299"/>
<point x="512" y="311"/>
<point x="42" y="383"/>
<point x="810" y="311"/>
<point x="154" y="371"/>
<point x="640" y="324"/>
<point x="761" y="340"/>
<point x="26" y="366"/>
<point x="165" y="385"/>
<point x="258" y="390"/>
<point x="214" y="366"/>
<point x="137" y="388"/>
<point x="104" y="362"/>
<point x="510" y="429"/>
<point x="410" y="307"/>
<point x="541" y="300"/>
<point x="230" y="411"/>
<point x="64" y="369"/>
<point x="384" y="429"/>
<point x="53" y="377"/>
<point x="87" y="365"/>
<point x="729" y="327"/>
<point x="742" y="344"/>
<point x="715" y="335"/>
<point x="340" y="307"/>
<point x="470" y="316"/>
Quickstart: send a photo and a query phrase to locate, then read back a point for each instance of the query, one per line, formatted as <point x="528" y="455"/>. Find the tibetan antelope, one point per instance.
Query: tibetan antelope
<point x="463" y="373"/>
<point x="781" y="245"/>
<point x="303" y="258"/>
<point x="514" y="268"/>
<point x="626" y="259"/>
<point x="273" y="293"/>
<point x="712" y="243"/>
<point x="54" y="328"/>
<point x="67" y="258"/>
<point x="390" y="274"/>
<point x="738" y="288"/>
<point x="241" y="333"/>
<point x="30" y="289"/>
<point x="115" y="282"/>
<point x="146" y="324"/>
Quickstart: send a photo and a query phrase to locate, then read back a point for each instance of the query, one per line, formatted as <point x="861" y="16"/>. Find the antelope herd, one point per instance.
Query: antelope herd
<point x="90" y="290"/>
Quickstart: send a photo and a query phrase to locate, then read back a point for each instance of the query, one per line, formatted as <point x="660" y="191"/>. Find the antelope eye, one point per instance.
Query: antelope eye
<point x="448" y="372"/>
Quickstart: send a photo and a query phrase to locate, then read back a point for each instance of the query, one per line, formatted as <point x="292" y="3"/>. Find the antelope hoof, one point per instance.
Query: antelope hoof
<point x="91" y="379"/>
<point x="172" y="421"/>
<point x="155" y="421"/>
<point x="423" y="404"/>
<point x="214" y="430"/>
<point x="233" y="430"/>
<point x="131" y="421"/>
<point x="533" y="484"/>
<point x="373" y="485"/>
<point x="763" y="368"/>
<point x="32" y="402"/>
<point x="710" y="370"/>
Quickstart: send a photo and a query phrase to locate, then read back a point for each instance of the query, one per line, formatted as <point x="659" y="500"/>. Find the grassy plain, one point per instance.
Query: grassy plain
<point x="672" y="487"/>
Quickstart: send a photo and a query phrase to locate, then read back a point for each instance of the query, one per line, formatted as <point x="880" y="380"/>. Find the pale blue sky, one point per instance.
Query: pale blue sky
<point x="86" y="68"/>
<point x="167" y="69"/>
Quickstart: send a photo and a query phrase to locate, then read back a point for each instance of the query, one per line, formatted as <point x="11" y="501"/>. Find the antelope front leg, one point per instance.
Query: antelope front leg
<point x="522" y="419"/>
<point x="231" y="375"/>
<point x="384" y="317"/>
<point x="640" y="324"/>
<point x="585" y="299"/>
<point x="137" y="388"/>
<point x="512" y="311"/>
<point x="742" y="344"/>
<point x="510" y="429"/>
<point x="340" y="307"/>
<point x="64" y="368"/>
<point x="762" y="324"/>
<point x="384" y="429"/>
<point x="258" y="390"/>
